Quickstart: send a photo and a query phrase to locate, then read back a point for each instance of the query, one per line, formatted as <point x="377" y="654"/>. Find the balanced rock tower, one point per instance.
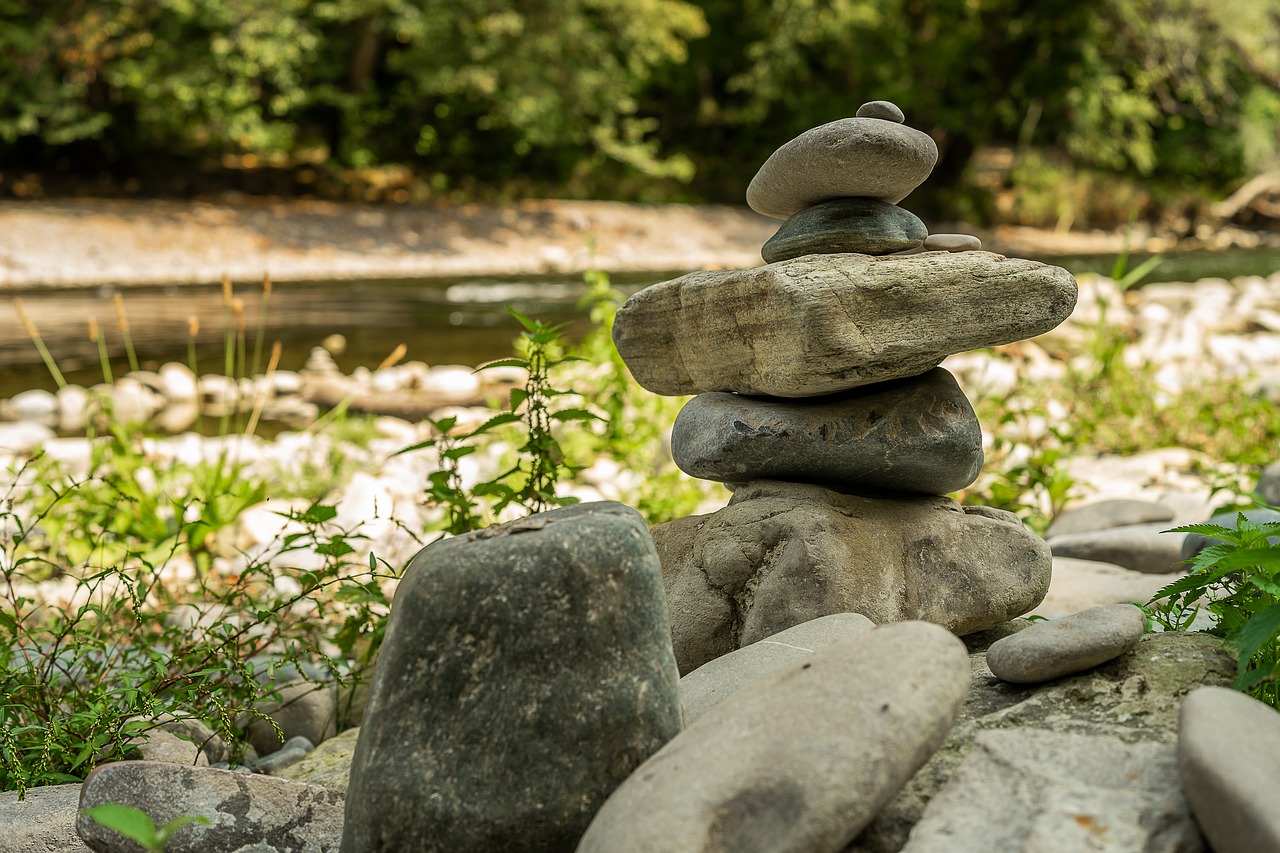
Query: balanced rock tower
<point x="819" y="400"/>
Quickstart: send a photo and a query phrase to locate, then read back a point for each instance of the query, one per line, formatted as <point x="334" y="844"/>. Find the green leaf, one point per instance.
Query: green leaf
<point x="498" y="420"/>
<point x="128" y="821"/>
<point x="177" y="823"/>
<point x="504" y="362"/>
<point x="421" y="445"/>
<point x="575" y="415"/>
<point x="319" y="513"/>
<point x="1204" y="528"/>
<point x="1261" y="629"/>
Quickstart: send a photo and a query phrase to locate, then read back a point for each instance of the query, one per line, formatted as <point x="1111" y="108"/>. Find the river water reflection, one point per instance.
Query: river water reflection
<point x="441" y="321"/>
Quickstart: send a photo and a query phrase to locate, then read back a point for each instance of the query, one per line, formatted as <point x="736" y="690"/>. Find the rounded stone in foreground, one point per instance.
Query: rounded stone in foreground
<point x="1049" y="650"/>
<point x="851" y="157"/>
<point x="862" y="225"/>
<point x="527" y="669"/>
<point x="1229" y="761"/>
<point x="801" y="760"/>
<point x="911" y="436"/>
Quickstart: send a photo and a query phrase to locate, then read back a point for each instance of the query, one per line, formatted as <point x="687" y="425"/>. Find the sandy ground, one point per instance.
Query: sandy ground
<point x="89" y="242"/>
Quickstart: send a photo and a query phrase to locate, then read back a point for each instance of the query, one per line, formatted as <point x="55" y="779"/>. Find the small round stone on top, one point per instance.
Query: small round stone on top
<point x="886" y="110"/>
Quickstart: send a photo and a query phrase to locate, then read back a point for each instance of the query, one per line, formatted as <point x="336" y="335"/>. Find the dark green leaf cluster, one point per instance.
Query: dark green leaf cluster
<point x="1237" y="579"/>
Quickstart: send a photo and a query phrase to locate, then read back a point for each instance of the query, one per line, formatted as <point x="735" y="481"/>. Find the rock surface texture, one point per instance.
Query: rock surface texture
<point x="526" y="671"/>
<point x="826" y="323"/>
<point x="1134" y="699"/>
<point x="783" y="553"/>
<point x="911" y="436"/>
<point x="1031" y="789"/>
<point x="802" y="759"/>
<point x="246" y="812"/>
<point x="716" y="680"/>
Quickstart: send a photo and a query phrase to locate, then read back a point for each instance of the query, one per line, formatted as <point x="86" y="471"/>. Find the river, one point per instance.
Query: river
<point x="440" y="321"/>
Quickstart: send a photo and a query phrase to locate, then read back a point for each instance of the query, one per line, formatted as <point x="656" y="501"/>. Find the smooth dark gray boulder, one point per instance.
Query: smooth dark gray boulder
<point x="783" y="553"/>
<point x="862" y="225"/>
<point x="912" y="436"/>
<point x="246" y="812"/>
<point x="526" y="671"/>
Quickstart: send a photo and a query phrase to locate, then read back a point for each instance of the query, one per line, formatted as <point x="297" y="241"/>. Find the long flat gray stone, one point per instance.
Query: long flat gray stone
<point x="826" y="323"/>
<point x="802" y="759"/>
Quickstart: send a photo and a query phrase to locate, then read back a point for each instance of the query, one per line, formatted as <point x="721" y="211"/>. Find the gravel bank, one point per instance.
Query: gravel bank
<point x="80" y="242"/>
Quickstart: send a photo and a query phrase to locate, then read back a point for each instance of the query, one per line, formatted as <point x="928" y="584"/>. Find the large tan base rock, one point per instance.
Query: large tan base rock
<point x="783" y="553"/>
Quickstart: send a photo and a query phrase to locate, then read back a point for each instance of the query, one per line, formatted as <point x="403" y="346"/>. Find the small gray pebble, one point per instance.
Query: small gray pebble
<point x="1049" y="650"/>
<point x="886" y="110"/>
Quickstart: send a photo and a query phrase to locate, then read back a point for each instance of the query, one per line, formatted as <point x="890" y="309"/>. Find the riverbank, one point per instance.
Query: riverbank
<point x="85" y="242"/>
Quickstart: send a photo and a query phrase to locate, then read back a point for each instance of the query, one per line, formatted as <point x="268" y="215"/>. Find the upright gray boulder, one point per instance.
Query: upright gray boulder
<point x="526" y="671"/>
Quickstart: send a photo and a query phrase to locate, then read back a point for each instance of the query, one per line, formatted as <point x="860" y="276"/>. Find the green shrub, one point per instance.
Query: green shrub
<point x="1237" y="579"/>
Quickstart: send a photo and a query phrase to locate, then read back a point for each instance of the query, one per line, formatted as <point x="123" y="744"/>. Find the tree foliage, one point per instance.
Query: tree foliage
<point x="581" y="94"/>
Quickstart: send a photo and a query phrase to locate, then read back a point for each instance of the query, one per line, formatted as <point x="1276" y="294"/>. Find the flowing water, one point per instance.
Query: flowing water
<point x="441" y="321"/>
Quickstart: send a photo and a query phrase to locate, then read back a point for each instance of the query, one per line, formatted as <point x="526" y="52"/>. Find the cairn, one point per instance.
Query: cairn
<point x="820" y="402"/>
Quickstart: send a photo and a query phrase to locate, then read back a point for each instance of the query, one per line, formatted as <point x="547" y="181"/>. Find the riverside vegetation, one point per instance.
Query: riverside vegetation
<point x="160" y="629"/>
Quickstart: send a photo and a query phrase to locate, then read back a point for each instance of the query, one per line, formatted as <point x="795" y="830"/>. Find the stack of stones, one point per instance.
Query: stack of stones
<point x="819" y="400"/>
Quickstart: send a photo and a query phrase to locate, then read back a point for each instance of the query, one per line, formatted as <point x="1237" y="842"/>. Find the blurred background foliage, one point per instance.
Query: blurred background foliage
<point x="1050" y="112"/>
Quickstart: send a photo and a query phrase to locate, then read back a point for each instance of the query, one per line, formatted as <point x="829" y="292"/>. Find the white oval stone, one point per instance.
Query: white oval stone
<point x="951" y="243"/>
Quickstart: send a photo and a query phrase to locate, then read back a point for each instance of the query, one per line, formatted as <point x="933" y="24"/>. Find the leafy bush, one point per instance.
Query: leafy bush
<point x="1237" y="579"/>
<point x="147" y="630"/>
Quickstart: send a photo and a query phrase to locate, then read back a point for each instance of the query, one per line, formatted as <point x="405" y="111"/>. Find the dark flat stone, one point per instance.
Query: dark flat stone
<point x="863" y="225"/>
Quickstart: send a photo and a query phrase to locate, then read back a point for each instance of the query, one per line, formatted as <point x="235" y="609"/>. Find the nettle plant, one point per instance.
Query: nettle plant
<point x="1236" y="577"/>
<point x="96" y="654"/>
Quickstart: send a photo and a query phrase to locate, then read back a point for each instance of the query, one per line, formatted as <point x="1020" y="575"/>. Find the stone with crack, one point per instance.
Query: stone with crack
<point x="825" y="323"/>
